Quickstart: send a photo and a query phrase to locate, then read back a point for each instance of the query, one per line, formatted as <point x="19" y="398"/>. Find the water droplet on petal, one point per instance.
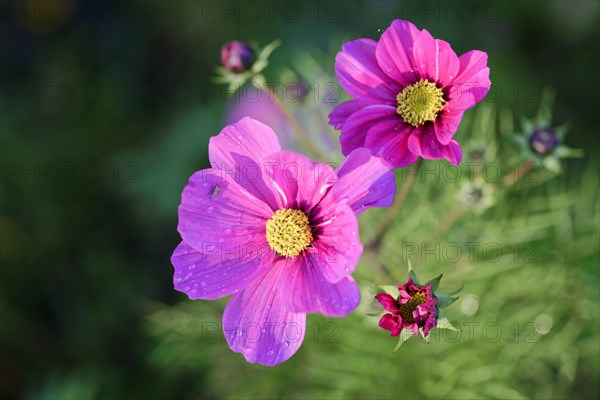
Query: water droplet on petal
<point x="210" y="210"/>
<point x="203" y="284"/>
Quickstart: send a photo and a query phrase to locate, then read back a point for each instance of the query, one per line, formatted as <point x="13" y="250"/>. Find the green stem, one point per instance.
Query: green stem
<point x="395" y="208"/>
<point x="302" y="134"/>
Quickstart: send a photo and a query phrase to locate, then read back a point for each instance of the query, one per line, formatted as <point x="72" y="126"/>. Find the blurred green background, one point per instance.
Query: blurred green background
<point x="106" y="110"/>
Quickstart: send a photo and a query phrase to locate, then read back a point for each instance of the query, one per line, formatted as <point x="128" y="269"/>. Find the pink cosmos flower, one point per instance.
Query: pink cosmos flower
<point x="410" y="92"/>
<point x="415" y="308"/>
<point x="279" y="232"/>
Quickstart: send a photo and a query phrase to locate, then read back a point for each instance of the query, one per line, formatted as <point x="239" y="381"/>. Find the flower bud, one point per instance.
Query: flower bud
<point x="543" y="141"/>
<point x="237" y="56"/>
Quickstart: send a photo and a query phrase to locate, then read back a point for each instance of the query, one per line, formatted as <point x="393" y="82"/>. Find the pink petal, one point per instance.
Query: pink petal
<point x="239" y="151"/>
<point x="452" y="152"/>
<point x="413" y="327"/>
<point x="308" y="291"/>
<point x="462" y="96"/>
<point x="446" y="125"/>
<point x="389" y="140"/>
<point x="365" y="181"/>
<point x="423" y="142"/>
<point x="257" y="325"/>
<point x="248" y="137"/>
<point x="472" y="63"/>
<point x="217" y="271"/>
<point x="394" y="52"/>
<point x="387" y="301"/>
<point x="390" y="323"/>
<point x="420" y="315"/>
<point x="435" y="59"/>
<point x="342" y="112"/>
<point x="336" y="248"/>
<point x="360" y="75"/>
<point x="472" y="83"/>
<point x="354" y="131"/>
<point x="216" y="210"/>
<point x="298" y="181"/>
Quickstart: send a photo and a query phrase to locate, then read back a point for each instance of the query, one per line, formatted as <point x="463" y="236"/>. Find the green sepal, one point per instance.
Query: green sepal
<point x="552" y="164"/>
<point x="445" y="301"/>
<point x="392" y="290"/>
<point x="412" y="274"/>
<point x="403" y="337"/>
<point x="444" y="323"/>
<point x="435" y="282"/>
<point x="450" y="294"/>
<point x="377" y="314"/>
<point x="425" y="338"/>
<point x="544" y="116"/>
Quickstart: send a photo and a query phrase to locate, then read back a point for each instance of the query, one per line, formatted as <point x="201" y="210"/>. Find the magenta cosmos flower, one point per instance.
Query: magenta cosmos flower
<point x="279" y="232"/>
<point x="410" y="92"/>
<point x="415" y="308"/>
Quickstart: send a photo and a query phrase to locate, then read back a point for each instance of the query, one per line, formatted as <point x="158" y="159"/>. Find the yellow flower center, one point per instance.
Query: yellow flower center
<point x="407" y="308"/>
<point x="288" y="232"/>
<point x="420" y="102"/>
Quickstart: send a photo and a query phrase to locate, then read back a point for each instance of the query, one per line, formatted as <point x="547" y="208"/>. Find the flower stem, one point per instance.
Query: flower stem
<point x="395" y="208"/>
<point x="523" y="170"/>
<point x="302" y="134"/>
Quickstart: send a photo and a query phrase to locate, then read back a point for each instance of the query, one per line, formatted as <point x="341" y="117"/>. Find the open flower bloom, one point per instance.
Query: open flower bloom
<point x="279" y="232"/>
<point x="410" y="92"/>
<point x="415" y="308"/>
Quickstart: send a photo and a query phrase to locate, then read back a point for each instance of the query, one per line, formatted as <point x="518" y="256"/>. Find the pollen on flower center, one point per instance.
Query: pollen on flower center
<point x="288" y="232"/>
<point x="406" y="309"/>
<point x="420" y="102"/>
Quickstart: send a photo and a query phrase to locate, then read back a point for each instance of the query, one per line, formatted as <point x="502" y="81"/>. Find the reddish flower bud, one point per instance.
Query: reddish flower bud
<point x="237" y="56"/>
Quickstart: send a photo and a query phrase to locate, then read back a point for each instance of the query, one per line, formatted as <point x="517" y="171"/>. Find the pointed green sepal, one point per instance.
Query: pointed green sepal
<point x="412" y="274"/>
<point x="450" y="294"/>
<point x="404" y="336"/>
<point x="435" y="282"/>
<point x="392" y="290"/>
<point x="443" y="302"/>
<point x="425" y="338"/>
<point x="444" y="323"/>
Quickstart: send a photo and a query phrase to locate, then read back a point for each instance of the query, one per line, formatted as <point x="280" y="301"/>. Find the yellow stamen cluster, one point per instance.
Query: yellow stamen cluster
<point x="288" y="232"/>
<point x="420" y="102"/>
<point x="407" y="308"/>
